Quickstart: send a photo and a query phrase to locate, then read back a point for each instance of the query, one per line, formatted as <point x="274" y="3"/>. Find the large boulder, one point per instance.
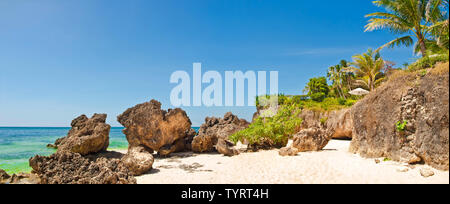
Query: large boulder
<point x="338" y="123"/>
<point x="421" y="103"/>
<point x="87" y="136"/>
<point x="149" y="126"/>
<point x="218" y="128"/>
<point x="138" y="160"/>
<point x="65" y="167"/>
<point x="313" y="139"/>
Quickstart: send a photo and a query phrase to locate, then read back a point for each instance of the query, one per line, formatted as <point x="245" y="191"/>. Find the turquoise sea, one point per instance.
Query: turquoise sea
<point x="18" y="144"/>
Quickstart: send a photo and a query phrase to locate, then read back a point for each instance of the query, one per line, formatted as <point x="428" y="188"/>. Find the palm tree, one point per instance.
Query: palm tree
<point x="338" y="77"/>
<point x="412" y="17"/>
<point x="368" y="67"/>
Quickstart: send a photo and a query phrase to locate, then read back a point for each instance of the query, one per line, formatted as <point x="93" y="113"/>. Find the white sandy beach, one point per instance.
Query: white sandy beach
<point x="333" y="165"/>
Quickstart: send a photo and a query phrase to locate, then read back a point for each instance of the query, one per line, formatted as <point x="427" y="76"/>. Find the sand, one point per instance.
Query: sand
<point x="333" y="165"/>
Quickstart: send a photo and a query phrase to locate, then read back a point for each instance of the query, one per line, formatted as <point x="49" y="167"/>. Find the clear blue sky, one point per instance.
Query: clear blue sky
<point x="60" y="59"/>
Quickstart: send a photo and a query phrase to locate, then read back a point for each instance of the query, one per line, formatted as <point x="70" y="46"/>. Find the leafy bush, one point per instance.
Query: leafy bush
<point x="350" y="102"/>
<point x="271" y="131"/>
<point x="428" y="61"/>
<point x="342" y="101"/>
<point x="401" y="125"/>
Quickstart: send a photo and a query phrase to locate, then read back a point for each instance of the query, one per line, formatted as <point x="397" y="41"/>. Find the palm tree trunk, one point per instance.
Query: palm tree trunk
<point x="423" y="47"/>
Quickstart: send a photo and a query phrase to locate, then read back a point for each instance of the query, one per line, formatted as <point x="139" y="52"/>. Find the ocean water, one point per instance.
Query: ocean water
<point x="19" y="144"/>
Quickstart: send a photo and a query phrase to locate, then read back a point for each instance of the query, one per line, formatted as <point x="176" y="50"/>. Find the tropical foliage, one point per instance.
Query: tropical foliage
<point x="418" y="20"/>
<point x="271" y="131"/>
<point x="317" y="88"/>
<point x="368" y="67"/>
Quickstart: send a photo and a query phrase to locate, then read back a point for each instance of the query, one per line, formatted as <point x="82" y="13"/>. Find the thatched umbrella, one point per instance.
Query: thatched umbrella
<point x="359" y="92"/>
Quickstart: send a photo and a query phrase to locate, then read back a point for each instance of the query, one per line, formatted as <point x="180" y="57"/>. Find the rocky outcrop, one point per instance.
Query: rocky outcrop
<point x="338" y="123"/>
<point x="159" y="130"/>
<point x="66" y="167"/>
<point x="138" y="160"/>
<point x="215" y="129"/>
<point x="420" y="107"/>
<point x="313" y="139"/>
<point x="87" y="136"/>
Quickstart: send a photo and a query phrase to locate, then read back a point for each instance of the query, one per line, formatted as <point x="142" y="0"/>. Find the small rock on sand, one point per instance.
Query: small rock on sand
<point x="403" y="169"/>
<point x="426" y="172"/>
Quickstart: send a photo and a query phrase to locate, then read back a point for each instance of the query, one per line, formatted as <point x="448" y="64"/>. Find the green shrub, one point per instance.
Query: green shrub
<point x="319" y="97"/>
<point x="428" y="62"/>
<point x="350" y="102"/>
<point x="274" y="130"/>
<point x="323" y="120"/>
<point x="342" y="101"/>
<point x="401" y="125"/>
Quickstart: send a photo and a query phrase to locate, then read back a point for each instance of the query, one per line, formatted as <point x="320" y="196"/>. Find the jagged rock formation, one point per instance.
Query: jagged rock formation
<point x="87" y="136"/>
<point x="422" y="102"/>
<point x="312" y="139"/>
<point x="159" y="130"/>
<point x="66" y="167"/>
<point x="138" y="160"/>
<point x="218" y="129"/>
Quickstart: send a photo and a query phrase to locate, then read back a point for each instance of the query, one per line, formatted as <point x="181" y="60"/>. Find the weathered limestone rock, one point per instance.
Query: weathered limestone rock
<point x="66" y="167"/>
<point x="217" y="128"/>
<point x="226" y="148"/>
<point x="313" y="139"/>
<point x="138" y="160"/>
<point x="149" y="126"/>
<point x="423" y="102"/>
<point x="87" y="136"/>
<point x="425" y="172"/>
<point x="337" y="123"/>
<point x="288" y="151"/>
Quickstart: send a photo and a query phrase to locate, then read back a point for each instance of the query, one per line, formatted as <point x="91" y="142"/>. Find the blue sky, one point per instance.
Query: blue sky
<point x="60" y="59"/>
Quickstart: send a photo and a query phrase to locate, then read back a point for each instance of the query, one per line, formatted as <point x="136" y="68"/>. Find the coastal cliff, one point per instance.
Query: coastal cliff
<point x="406" y="119"/>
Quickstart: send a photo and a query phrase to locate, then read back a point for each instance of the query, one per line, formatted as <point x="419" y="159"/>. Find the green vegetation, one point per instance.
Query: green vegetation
<point x="317" y="89"/>
<point x="428" y="61"/>
<point x="387" y="159"/>
<point x="271" y="131"/>
<point x="411" y="17"/>
<point x="401" y="125"/>
<point x="368" y="67"/>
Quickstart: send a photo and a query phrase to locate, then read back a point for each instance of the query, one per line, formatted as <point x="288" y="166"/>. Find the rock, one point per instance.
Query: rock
<point x="424" y="105"/>
<point x="24" y="178"/>
<point x="426" y="172"/>
<point x="138" y="160"/>
<point x="217" y="128"/>
<point x="66" y="167"/>
<point x="402" y="169"/>
<point x="340" y="124"/>
<point x="149" y="126"/>
<point x="313" y="139"/>
<point x="87" y="136"/>
<point x="288" y="151"/>
<point x="226" y="148"/>
<point x="4" y="177"/>
<point x="377" y="161"/>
